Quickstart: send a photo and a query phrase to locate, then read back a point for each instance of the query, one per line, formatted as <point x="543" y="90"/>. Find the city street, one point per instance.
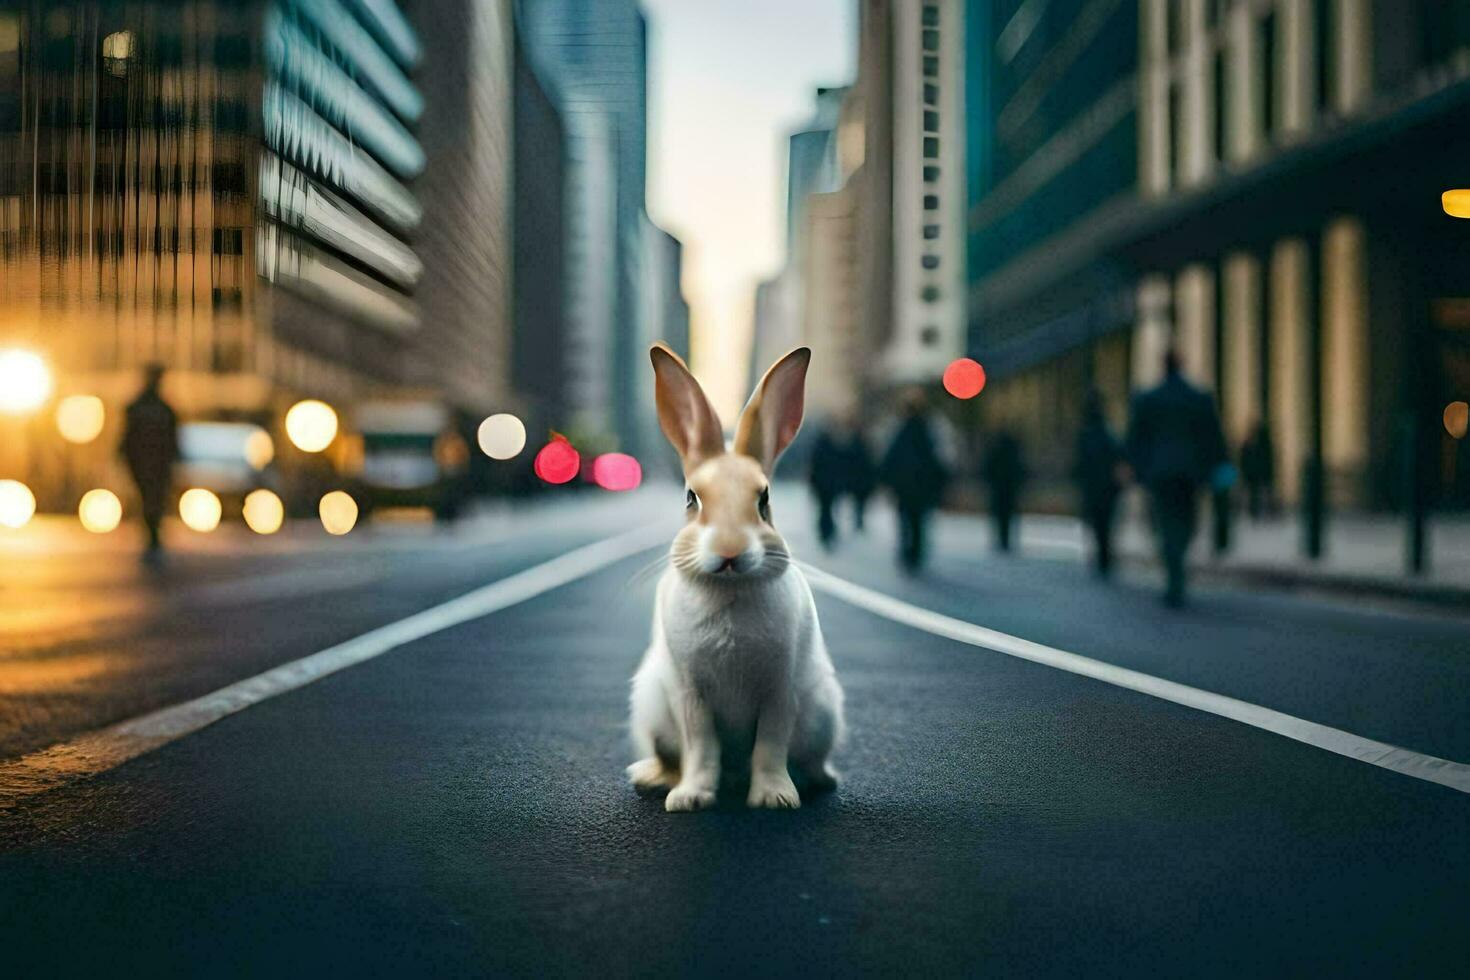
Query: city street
<point x="439" y="787"/>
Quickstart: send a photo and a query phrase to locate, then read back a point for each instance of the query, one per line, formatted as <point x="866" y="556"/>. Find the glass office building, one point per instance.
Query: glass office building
<point x="224" y="188"/>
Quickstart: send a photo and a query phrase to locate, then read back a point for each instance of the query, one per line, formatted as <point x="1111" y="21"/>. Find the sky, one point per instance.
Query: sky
<point x="728" y="80"/>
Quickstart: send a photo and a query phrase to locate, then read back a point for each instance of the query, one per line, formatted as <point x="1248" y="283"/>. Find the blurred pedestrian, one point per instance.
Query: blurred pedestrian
<point x="452" y="457"/>
<point x="827" y="481"/>
<point x="914" y="470"/>
<point x="1004" y="470"/>
<point x="1258" y="471"/>
<point x="150" y="445"/>
<point x="1175" y="445"/>
<point x="841" y="466"/>
<point x="1099" y="470"/>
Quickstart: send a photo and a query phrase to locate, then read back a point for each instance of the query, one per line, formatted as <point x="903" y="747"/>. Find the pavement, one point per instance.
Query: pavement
<point x="454" y="802"/>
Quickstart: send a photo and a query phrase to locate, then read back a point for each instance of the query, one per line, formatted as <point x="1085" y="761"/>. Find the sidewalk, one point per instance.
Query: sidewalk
<point x="1364" y="554"/>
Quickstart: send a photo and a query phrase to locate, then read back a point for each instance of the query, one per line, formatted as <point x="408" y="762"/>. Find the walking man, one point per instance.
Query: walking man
<point x="913" y="469"/>
<point x="150" y="445"/>
<point x="1174" y="443"/>
<point x="1004" y="471"/>
<point x="1098" y="470"/>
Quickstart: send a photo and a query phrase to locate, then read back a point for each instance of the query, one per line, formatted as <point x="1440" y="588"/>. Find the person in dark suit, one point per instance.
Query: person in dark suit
<point x="150" y="445"/>
<point x="1004" y="471"/>
<point x="1174" y="444"/>
<point x="1258" y="471"/>
<point x="1098" y="470"/>
<point x="913" y="469"/>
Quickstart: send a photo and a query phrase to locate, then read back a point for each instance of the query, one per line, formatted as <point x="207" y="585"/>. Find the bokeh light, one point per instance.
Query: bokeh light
<point x="1457" y="419"/>
<point x="260" y="449"/>
<point x="616" y="471"/>
<point x="1456" y="203"/>
<point x="311" y="425"/>
<point x="502" y="436"/>
<point x="200" y="510"/>
<point x="338" y="512"/>
<point x="558" y="462"/>
<point x="100" y="511"/>
<point x="263" y="512"/>
<point x="17" y="504"/>
<point x="79" y="418"/>
<point x="964" y="378"/>
<point x="25" y="381"/>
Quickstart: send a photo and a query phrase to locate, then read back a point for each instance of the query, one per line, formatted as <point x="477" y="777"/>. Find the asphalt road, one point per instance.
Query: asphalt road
<point x="457" y="806"/>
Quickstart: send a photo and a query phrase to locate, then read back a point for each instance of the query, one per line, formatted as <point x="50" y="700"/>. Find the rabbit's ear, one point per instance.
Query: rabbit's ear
<point x="772" y="417"/>
<point x="684" y="413"/>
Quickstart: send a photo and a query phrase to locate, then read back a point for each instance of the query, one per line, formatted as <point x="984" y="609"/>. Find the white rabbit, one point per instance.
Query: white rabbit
<point x="737" y="673"/>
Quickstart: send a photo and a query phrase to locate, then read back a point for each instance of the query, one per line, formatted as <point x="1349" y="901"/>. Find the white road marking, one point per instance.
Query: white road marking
<point x="1455" y="775"/>
<point x="108" y="748"/>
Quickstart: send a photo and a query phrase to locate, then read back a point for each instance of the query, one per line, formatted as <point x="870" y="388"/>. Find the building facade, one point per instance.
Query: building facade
<point x="1254" y="183"/>
<point x="592" y="57"/>
<point x="225" y="189"/>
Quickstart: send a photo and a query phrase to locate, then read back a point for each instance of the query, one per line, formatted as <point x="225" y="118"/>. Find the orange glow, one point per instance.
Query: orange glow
<point x="200" y="510"/>
<point x="338" y="512"/>
<point x="79" y="418"/>
<point x="263" y="512"/>
<point x="17" y="504"/>
<point x="1457" y="419"/>
<point x="100" y="511"/>
<point x="1456" y="203"/>
<point x="260" y="449"/>
<point x="311" y="425"/>
<point x="25" y="381"/>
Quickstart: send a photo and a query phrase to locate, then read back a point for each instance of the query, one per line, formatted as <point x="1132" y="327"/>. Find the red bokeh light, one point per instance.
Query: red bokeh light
<point x="558" y="462"/>
<point x="616" y="471"/>
<point x="964" y="378"/>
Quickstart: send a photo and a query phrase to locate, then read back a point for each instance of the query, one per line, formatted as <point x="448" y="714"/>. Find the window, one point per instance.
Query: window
<point x="931" y="93"/>
<point x="931" y="66"/>
<point x="930" y="262"/>
<point x="931" y="15"/>
<point x="931" y="232"/>
<point x="931" y="121"/>
<point x="229" y="241"/>
<point x="931" y="202"/>
<point x="929" y="336"/>
<point x="931" y="173"/>
<point x="929" y="294"/>
<point x="931" y="147"/>
<point x="931" y="40"/>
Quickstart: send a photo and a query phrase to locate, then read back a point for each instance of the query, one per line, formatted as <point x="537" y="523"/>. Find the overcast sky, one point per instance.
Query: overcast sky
<point x="727" y="80"/>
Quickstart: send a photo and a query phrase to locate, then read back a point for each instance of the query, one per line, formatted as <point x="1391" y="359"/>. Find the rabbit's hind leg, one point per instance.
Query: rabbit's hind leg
<point x="655" y="735"/>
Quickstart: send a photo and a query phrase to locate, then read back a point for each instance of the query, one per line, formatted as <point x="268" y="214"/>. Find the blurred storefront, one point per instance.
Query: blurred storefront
<point x="227" y="189"/>
<point x="1255" y="182"/>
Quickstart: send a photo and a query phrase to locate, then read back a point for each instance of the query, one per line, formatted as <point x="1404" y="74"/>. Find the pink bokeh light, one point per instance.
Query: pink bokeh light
<point x="616" y="471"/>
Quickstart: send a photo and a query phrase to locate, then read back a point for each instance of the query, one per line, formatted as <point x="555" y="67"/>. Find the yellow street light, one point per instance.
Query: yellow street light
<point x="79" y="418"/>
<point x="311" y="425"/>
<point x="200" y="510"/>
<point x="260" y="449"/>
<point x="17" y="504"/>
<point x="100" y="511"/>
<point x="263" y="512"/>
<point x="1456" y="203"/>
<point x="338" y="512"/>
<point x="25" y="381"/>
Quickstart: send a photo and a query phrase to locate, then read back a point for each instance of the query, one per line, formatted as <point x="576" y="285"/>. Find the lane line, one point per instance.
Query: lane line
<point x="1455" y="775"/>
<point x="107" y="748"/>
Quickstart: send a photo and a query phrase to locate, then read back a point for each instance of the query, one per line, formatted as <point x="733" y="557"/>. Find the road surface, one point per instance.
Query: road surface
<point x="453" y="802"/>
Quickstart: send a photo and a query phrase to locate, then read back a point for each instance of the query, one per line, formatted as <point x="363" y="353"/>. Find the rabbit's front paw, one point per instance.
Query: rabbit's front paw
<point x="684" y="797"/>
<point x="775" y="791"/>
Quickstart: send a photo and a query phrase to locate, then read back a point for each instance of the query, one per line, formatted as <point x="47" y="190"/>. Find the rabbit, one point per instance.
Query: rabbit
<point x="737" y="675"/>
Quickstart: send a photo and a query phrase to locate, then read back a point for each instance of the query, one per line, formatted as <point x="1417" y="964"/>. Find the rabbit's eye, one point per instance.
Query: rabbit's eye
<point x="691" y="500"/>
<point x="763" y="505"/>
